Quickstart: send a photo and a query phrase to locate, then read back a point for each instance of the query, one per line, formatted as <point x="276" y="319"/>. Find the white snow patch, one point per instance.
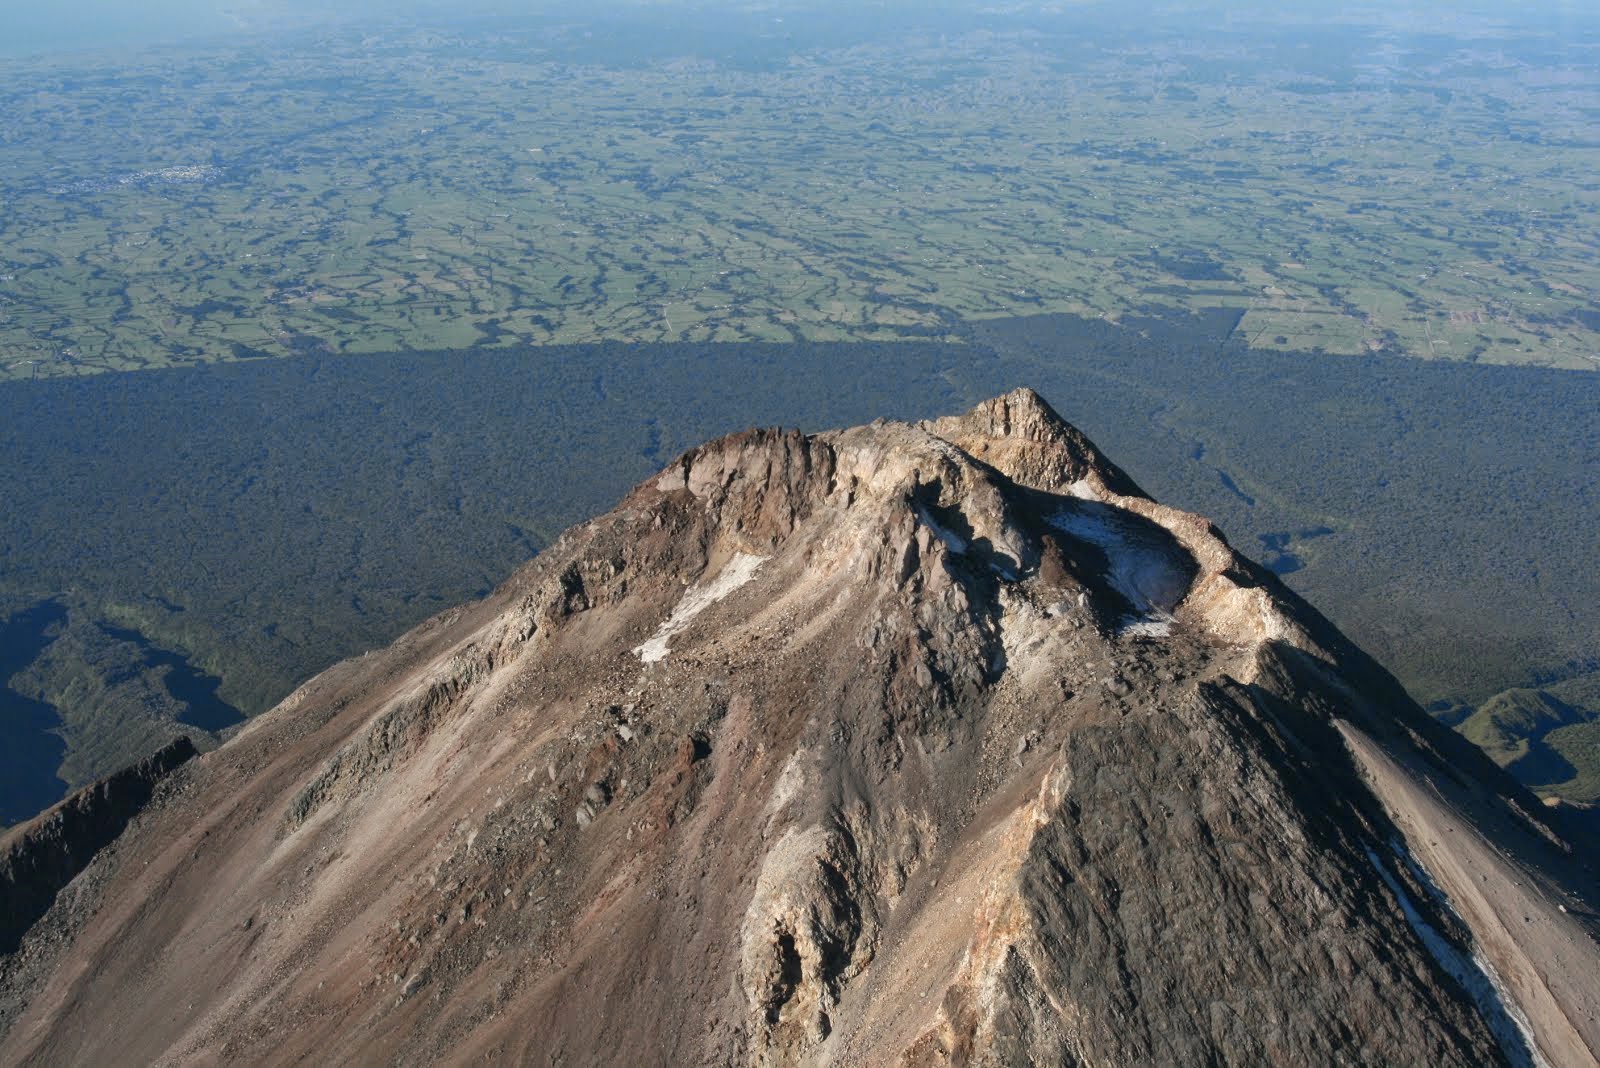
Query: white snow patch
<point x="952" y="541"/>
<point x="1141" y="567"/>
<point x="735" y="573"/>
<point x="1477" y="976"/>
<point x="1149" y="627"/>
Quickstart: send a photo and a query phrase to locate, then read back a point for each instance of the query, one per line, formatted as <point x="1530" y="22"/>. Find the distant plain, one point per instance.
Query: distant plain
<point x="741" y="177"/>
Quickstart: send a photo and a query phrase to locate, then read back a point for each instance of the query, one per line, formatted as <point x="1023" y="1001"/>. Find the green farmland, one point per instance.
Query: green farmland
<point x="1430" y="195"/>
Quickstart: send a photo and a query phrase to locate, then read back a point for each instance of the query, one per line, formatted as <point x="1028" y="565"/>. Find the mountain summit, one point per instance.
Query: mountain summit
<point x="905" y="744"/>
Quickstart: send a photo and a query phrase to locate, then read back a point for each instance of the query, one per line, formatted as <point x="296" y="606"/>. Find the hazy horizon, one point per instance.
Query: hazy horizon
<point x="90" y="25"/>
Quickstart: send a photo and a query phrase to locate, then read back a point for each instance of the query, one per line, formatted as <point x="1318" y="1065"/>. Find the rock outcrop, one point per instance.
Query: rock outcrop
<point x="905" y="744"/>
<point x="43" y="855"/>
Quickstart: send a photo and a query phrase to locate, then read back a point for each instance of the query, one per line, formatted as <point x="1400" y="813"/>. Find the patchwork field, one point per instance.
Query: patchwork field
<point x="1372" y="188"/>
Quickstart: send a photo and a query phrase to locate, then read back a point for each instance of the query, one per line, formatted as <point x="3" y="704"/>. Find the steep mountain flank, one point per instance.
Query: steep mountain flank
<point x="43" y="855"/>
<point x="917" y="744"/>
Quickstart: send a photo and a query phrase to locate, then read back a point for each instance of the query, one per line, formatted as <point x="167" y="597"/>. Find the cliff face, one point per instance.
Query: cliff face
<point x="43" y="855"/>
<point x="902" y="744"/>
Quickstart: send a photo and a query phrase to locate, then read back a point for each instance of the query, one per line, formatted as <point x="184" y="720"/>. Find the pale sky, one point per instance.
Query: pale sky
<point x="27" y="26"/>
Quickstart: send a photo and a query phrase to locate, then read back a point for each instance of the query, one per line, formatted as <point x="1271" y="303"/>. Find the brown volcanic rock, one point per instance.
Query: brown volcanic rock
<point x="901" y="744"/>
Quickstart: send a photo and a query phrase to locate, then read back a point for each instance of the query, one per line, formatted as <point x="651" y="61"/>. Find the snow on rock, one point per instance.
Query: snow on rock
<point x="735" y="573"/>
<point x="1141" y="566"/>
<point x="1149" y="626"/>
<point x="952" y="541"/>
<point x="1476" y="975"/>
<point x="1083" y="490"/>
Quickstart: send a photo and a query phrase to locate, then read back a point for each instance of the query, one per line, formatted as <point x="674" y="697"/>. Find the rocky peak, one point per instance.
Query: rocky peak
<point x="1021" y="436"/>
<point x="917" y="744"/>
